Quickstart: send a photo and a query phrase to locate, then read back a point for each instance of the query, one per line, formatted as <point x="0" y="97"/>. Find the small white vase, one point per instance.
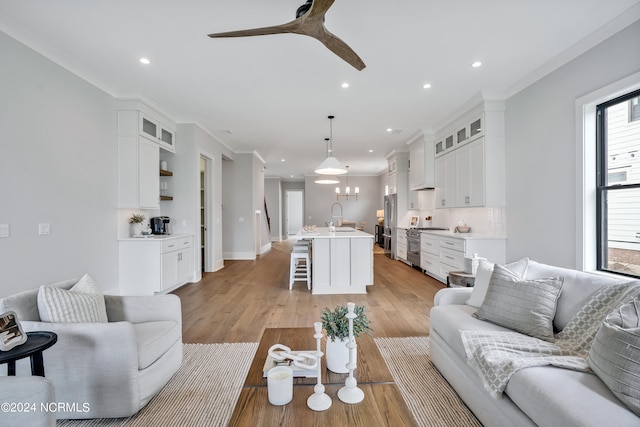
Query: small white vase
<point x="338" y="355"/>
<point x="136" y="229"/>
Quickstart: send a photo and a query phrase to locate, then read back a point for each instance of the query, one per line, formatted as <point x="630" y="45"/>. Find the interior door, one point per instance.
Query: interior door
<point x="295" y="216"/>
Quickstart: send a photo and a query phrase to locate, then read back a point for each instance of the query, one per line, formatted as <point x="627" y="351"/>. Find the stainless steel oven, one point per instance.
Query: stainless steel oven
<point x="413" y="246"/>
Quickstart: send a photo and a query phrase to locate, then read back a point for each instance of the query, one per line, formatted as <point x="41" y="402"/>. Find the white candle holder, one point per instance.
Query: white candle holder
<point x="350" y="393"/>
<point x="319" y="400"/>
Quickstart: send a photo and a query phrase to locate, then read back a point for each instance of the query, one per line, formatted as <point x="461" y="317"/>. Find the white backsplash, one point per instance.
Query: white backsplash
<point x="491" y="221"/>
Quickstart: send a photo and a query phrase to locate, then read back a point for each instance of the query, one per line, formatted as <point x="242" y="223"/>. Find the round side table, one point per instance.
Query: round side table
<point x="36" y="343"/>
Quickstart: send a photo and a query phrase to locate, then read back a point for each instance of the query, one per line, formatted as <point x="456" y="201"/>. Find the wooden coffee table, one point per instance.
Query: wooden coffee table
<point x="383" y="404"/>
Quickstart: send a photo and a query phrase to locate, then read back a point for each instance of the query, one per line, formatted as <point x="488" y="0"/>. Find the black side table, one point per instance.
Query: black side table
<point x="36" y="343"/>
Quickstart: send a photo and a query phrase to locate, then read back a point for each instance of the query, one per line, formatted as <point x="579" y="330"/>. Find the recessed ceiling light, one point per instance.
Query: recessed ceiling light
<point x="426" y="86"/>
<point x="145" y="61"/>
<point x="389" y="130"/>
<point x="282" y="160"/>
<point x="476" y="64"/>
<point x="345" y="85"/>
<point x="371" y="151"/>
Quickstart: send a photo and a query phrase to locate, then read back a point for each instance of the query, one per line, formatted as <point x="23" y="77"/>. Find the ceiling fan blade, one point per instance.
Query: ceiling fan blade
<point x="319" y="8"/>
<point x="336" y="45"/>
<point x="289" y="27"/>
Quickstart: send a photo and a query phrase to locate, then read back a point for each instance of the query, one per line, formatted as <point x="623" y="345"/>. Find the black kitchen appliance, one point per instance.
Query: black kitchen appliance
<point x="160" y="225"/>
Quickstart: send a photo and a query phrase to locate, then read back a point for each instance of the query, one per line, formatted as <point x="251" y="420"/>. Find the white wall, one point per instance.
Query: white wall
<point x="58" y="165"/>
<point x="540" y="150"/>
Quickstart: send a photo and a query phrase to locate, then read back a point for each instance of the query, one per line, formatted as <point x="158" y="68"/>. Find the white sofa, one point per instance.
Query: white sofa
<point x="112" y="369"/>
<point x="542" y="396"/>
<point x="28" y="400"/>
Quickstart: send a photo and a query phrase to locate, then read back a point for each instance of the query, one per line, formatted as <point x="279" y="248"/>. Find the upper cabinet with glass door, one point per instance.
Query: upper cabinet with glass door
<point x="464" y="132"/>
<point x="158" y="132"/>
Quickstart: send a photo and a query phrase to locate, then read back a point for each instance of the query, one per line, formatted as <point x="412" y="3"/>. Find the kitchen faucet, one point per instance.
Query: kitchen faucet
<point x="333" y="216"/>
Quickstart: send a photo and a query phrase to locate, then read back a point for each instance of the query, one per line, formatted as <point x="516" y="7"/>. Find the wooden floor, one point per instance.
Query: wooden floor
<point x="236" y="303"/>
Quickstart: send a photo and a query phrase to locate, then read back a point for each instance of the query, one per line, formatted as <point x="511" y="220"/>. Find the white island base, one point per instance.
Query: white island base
<point x="342" y="261"/>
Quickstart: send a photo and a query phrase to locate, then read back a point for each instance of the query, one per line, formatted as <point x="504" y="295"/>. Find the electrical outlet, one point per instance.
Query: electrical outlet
<point x="4" y="230"/>
<point x="44" y="229"/>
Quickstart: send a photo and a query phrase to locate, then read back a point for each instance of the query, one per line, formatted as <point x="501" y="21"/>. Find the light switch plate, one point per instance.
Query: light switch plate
<point x="44" y="229"/>
<point x="4" y="230"/>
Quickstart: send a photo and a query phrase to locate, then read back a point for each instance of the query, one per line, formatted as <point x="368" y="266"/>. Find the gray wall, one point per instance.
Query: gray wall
<point x="540" y="151"/>
<point x="320" y="197"/>
<point x="59" y="166"/>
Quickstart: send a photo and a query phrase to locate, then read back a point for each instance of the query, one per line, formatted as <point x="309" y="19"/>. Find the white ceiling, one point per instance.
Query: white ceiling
<point x="272" y="94"/>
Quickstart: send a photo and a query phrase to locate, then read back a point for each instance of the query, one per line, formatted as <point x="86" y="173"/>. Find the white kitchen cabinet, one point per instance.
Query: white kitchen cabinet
<point x="158" y="132"/>
<point x="442" y="252"/>
<point x="401" y="244"/>
<point x="138" y="176"/>
<point x="445" y="172"/>
<point x="470" y="186"/>
<point x="471" y="172"/>
<point x="430" y="254"/>
<point x="421" y="165"/>
<point x="141" y="134"/>
<point x="155" y="265"/>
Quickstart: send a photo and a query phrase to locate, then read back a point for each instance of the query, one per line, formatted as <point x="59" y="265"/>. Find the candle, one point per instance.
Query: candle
<point x="280" y="385"/>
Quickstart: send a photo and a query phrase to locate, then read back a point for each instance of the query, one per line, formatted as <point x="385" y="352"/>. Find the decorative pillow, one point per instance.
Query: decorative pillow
<point x="527" y="306"/>
<point x="83" y="303"/>
<point x="615" y="354"/>
<point x="483" y="276"/>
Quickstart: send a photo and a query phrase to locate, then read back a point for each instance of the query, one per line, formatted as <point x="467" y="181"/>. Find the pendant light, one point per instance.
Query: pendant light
<point x="330" y="165"/>
<point x="347" y="190"/>
<point x="327" y="179"/>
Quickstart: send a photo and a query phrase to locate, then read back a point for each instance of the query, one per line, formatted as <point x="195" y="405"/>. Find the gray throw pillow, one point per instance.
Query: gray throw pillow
<point x="526" y="306"/>
<point x="615" y="354"/>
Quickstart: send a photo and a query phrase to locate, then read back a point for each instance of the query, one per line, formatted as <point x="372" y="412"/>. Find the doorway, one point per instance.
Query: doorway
<point x="295" y="211"/>
<point x="205" y="214"/>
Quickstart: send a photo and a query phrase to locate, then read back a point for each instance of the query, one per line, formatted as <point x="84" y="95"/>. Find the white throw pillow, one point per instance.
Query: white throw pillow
<point x="483" y="277"/>
<point x="83" y="303"/>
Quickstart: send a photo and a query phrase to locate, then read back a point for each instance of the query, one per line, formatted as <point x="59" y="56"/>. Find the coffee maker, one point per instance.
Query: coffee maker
<point x="160" y="225"/>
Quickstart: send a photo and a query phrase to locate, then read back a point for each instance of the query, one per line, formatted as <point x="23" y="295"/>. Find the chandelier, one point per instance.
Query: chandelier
<point x="330" y="165"/>
<point x="347" y="190"/>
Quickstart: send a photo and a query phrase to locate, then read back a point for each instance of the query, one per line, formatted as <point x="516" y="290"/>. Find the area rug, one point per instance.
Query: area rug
<point x="427" y="394"/>
<point x="198" y="395"/>
<point x="203" y="392"/>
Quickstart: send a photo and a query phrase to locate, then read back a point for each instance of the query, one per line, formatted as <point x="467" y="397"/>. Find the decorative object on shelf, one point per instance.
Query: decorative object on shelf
<point x="380" y="216"/>
<point x="336" y="324"/>
<point x="331" y="165"/>
<point x="11" y="333"/>
<point x="136" y="224"/>
<point x="319" y="400"/>
<point x="163" y="165"/>
<point x="351" y="393"/>
<point x="427" y="221"/>
<point x="347" y="190"/>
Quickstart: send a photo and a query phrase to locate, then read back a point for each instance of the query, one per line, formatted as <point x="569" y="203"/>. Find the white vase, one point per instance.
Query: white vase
<point x="136" y="229"/>
<point x="338" y="355"/>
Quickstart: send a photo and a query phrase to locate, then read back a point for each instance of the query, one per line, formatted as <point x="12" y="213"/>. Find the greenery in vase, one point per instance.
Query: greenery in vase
<point x="337" y="325"/>
<point x="136" y="218"/>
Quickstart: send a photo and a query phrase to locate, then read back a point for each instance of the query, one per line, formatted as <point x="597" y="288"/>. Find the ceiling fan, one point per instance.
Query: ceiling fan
<point x="309" y="22"/>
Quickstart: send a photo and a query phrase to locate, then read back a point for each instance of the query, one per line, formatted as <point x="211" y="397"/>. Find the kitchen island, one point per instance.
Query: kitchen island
<point x="341" y="261"/>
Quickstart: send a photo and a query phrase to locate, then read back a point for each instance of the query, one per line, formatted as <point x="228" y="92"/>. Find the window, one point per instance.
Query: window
<point x="618" y="185"/>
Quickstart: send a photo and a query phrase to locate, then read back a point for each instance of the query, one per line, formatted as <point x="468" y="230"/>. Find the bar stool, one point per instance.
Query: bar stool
<point x="300" y="268"/>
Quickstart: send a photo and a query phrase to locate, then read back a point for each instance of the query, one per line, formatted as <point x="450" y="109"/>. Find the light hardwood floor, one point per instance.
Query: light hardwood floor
<point x="236" y="303"/>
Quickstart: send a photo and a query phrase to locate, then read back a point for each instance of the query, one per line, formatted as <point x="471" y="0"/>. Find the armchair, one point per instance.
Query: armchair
<point x="114" y="368"/>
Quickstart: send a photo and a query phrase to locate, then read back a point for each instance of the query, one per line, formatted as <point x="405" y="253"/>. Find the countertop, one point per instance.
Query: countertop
<point x="324" y="233"/>
<point x="451" y="234"/>
<point x="154" y="237"/>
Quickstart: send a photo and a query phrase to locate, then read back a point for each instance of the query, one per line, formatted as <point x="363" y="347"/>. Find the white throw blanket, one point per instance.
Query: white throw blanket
<point x="496" y="355"/>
